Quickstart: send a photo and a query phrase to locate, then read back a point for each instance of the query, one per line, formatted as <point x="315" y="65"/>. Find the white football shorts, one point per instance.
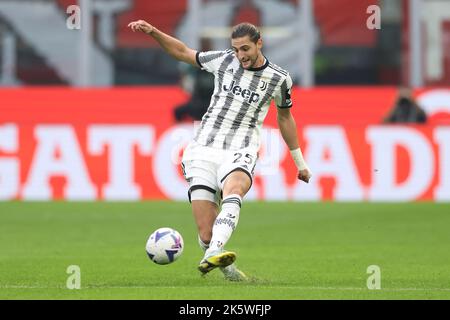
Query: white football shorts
<point x="206" y="169"/>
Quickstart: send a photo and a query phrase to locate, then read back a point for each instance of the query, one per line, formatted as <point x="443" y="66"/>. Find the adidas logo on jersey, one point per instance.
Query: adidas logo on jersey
<point x="247" y="94"/>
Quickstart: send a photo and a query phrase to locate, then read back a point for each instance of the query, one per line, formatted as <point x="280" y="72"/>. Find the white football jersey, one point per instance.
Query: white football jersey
<point x="240" y="101"/>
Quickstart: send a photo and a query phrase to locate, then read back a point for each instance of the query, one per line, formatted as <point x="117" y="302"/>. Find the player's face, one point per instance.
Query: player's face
<point x="247" y="51"/>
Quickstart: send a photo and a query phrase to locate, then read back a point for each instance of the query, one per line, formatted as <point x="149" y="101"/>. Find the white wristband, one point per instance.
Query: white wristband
<point x="298" y="159"/>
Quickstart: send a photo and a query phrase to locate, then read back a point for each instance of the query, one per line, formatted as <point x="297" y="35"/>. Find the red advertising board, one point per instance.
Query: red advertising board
<point x="123" y="144"/>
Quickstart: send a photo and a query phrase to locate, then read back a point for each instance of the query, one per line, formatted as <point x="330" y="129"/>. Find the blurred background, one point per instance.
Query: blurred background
<point x="82" y="97"/>
<point x="321" y="42"/>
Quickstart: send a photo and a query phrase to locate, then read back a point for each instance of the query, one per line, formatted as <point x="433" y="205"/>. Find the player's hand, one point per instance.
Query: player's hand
<point x="304" y="175"/>
<point x="141" y="25"/>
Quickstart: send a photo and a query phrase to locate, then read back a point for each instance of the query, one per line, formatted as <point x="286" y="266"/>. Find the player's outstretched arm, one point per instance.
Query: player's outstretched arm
<point x="171" y="45"/>
<point x="288" y="129"/>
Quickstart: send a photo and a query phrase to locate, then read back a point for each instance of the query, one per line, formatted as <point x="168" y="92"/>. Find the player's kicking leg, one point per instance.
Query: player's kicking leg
<point x="204" y="198"/>
<point x="205" y="213"/>
<point x="236" y="185"/>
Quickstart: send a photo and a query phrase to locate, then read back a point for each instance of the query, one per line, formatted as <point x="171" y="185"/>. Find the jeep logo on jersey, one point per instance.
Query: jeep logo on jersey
<point x="247" y="94"/>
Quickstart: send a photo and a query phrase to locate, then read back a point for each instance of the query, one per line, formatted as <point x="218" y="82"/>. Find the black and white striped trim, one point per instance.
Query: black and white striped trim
<point x="233" y="200"/>
<point x="197" y="58"/>
<point x="278" y="69"/>
<point x="239" y="169"/>
<point x="208" y="57"/>
<point x="198" y="187"/>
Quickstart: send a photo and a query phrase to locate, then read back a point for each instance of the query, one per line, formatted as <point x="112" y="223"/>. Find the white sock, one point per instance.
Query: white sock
<point x="203" y="245"/>
<point x="226" y="222"/>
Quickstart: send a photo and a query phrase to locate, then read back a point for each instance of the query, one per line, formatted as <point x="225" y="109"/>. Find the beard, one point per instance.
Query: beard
<point x="250" y="63"/>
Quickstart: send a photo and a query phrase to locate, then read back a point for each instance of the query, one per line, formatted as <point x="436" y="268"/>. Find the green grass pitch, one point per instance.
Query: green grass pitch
<point x="290" y="250"/>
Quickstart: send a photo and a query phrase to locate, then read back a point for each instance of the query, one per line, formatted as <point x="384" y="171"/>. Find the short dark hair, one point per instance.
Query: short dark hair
<point x="246" y="29"/>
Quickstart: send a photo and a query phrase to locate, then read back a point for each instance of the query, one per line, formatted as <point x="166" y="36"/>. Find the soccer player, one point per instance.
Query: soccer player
<point x="219" y="162"/>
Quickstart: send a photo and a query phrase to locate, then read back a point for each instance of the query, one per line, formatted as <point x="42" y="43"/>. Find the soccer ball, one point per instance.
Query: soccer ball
<point x="164" y="246"/>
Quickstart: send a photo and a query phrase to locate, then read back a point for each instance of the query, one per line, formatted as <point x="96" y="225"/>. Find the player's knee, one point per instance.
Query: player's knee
<point x="236" y="189"/>
<point x="237" y="186"/>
